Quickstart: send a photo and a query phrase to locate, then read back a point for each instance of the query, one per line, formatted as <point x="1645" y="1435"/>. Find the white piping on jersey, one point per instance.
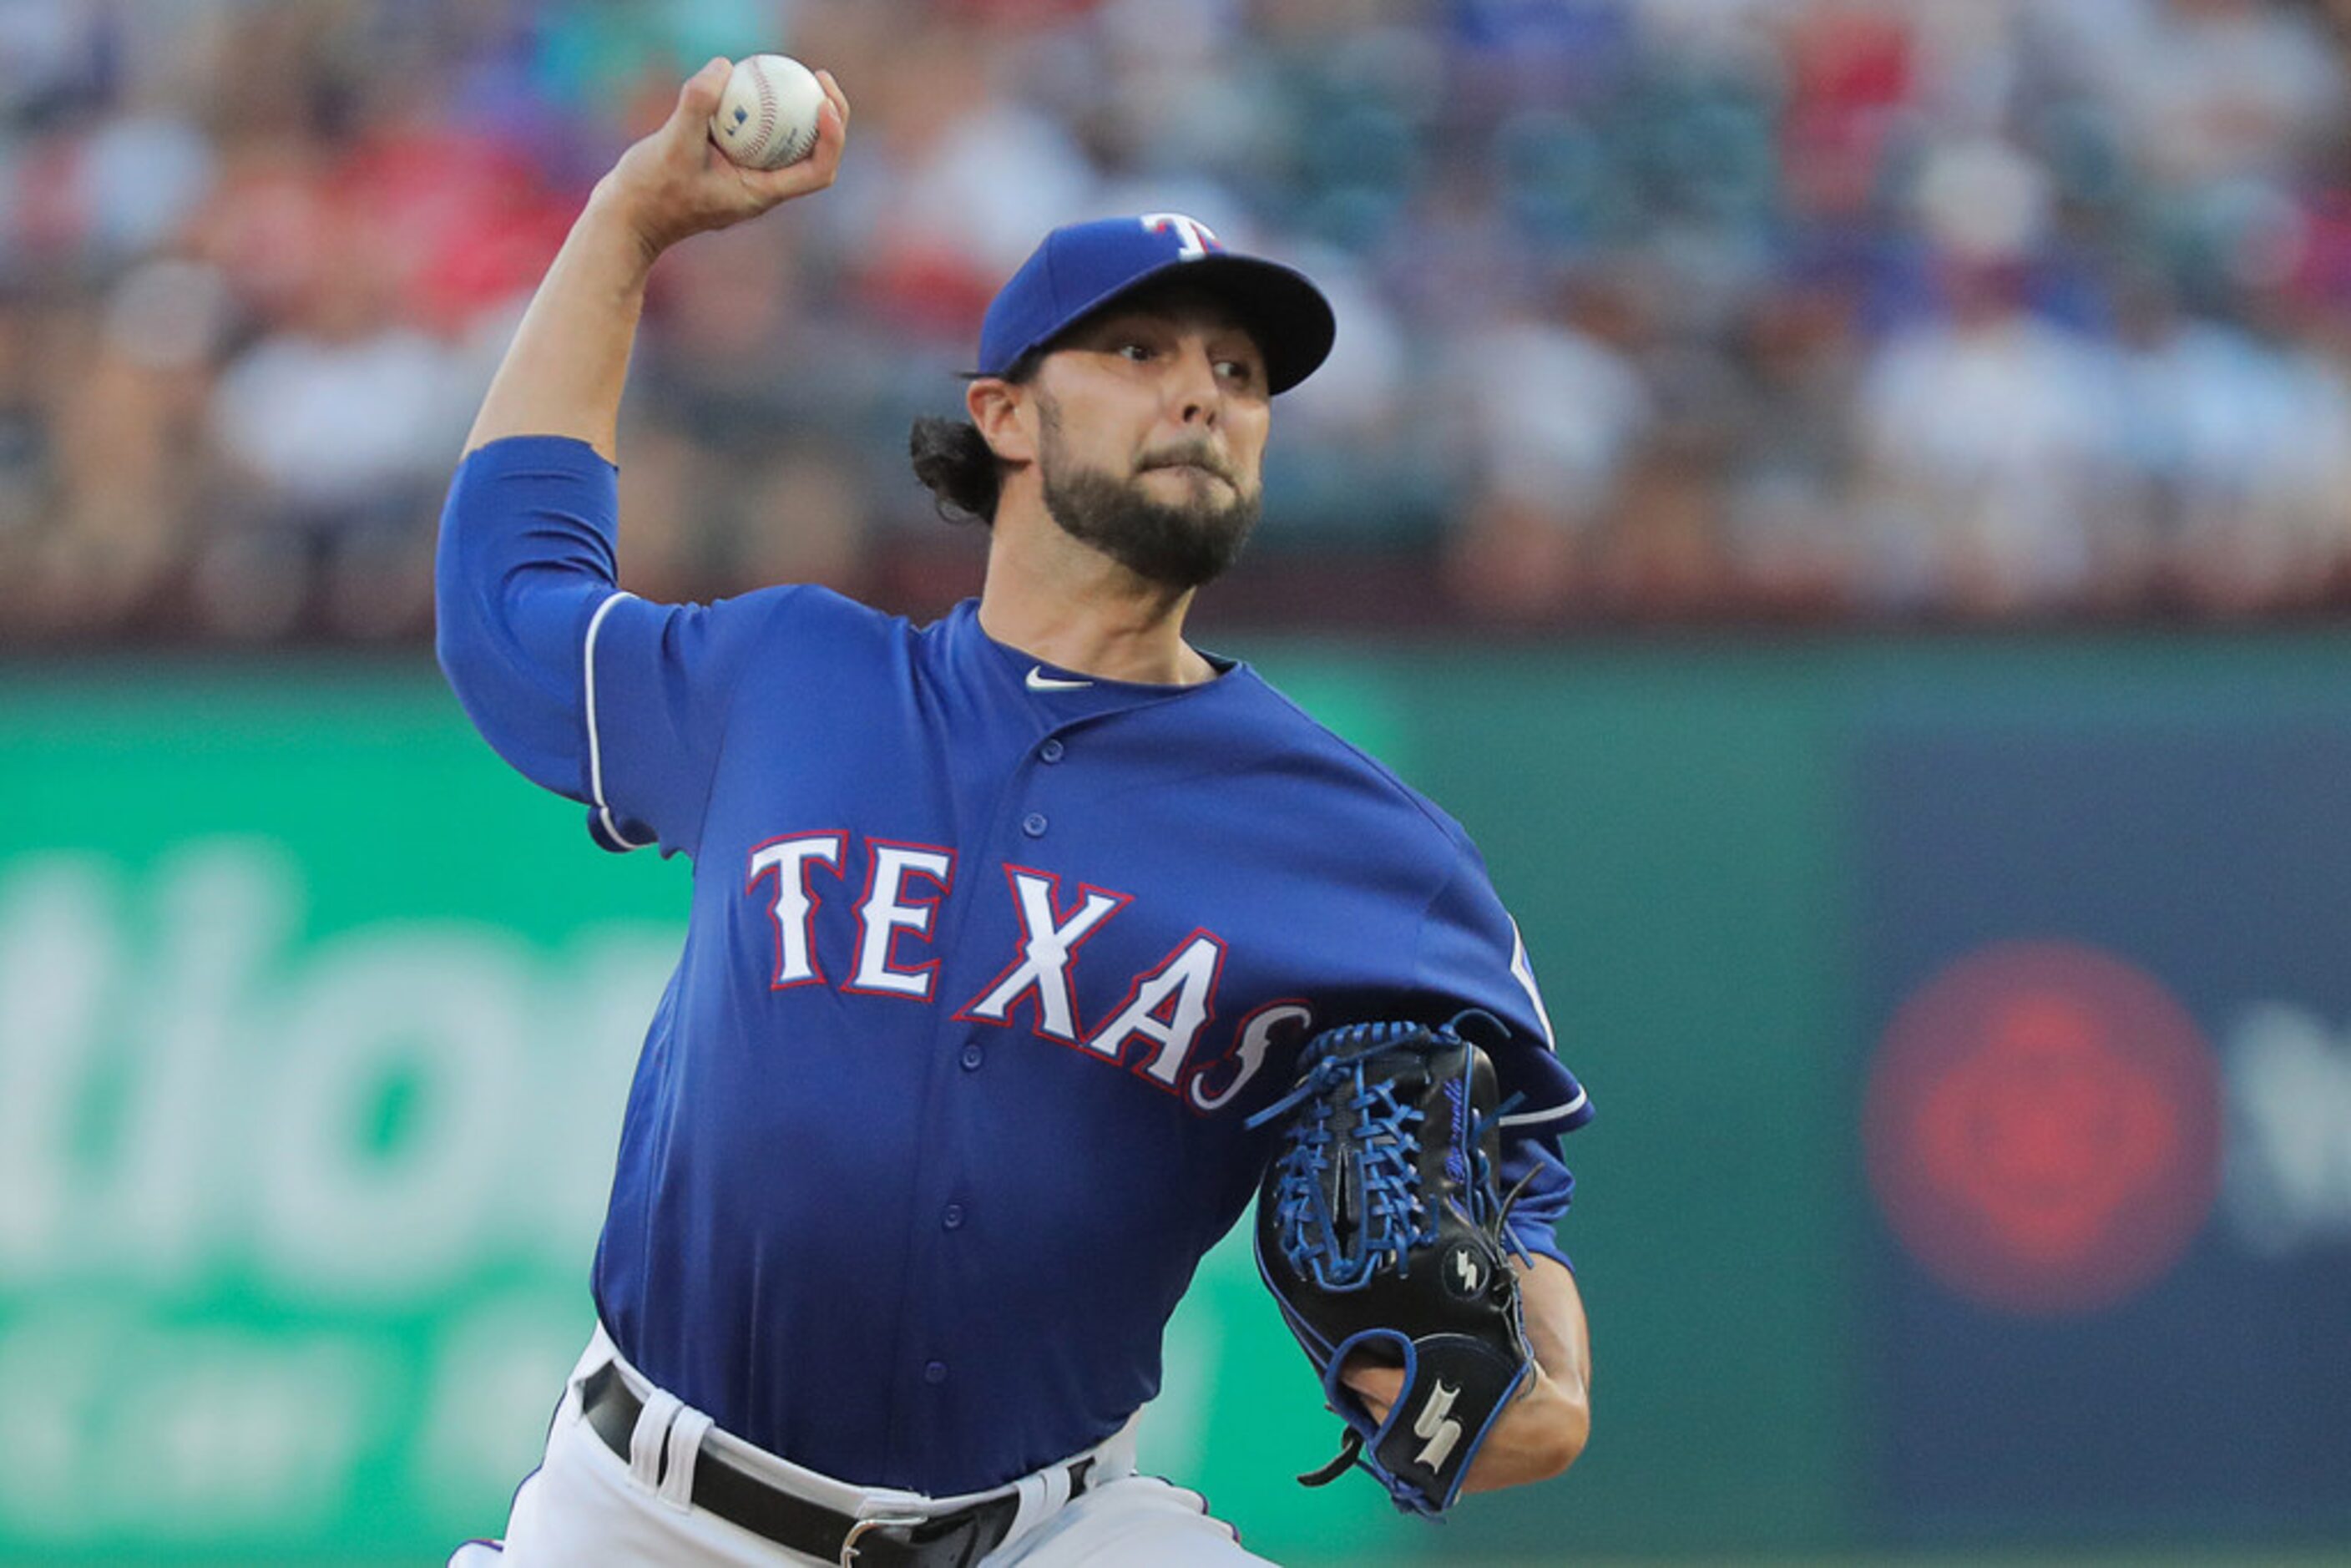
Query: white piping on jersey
<point x="1523" y="971"/>
<point x="1554" y="1114"/>
<point x="596" y="751"/>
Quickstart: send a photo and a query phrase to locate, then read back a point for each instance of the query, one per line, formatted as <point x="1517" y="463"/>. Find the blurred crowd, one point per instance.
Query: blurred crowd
<point x="1649" y="309"/>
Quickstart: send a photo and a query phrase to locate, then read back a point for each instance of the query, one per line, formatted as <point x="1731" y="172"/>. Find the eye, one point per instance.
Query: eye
<point x="1240" y="372"/>
<point x="1134" y="350"/>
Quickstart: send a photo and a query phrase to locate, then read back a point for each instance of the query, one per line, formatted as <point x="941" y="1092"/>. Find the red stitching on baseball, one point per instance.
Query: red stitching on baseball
<point x="766" y="109"/>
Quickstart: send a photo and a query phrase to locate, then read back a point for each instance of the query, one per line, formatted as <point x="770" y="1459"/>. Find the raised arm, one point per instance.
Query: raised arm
<point x="584" y="688"/>
<point x="562" y="375"/>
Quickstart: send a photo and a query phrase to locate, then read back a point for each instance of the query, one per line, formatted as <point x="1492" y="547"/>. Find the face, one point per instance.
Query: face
<point x="1151" y="431"/>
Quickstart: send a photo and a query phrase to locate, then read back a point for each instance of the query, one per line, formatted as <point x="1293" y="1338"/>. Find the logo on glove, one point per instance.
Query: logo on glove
<point x="1441" y="1430"/>
<point x="1465" y="1272"/>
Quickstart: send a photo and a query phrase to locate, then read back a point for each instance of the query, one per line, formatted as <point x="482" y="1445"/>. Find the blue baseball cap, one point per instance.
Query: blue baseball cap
<point x="1080" y="268"/>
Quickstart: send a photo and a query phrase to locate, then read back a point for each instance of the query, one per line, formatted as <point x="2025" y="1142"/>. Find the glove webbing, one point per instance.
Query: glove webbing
<point x="1392" y="1219"/>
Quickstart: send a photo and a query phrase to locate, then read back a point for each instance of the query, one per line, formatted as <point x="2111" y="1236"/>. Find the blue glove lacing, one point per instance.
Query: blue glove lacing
<point x="1391" y="1218"/>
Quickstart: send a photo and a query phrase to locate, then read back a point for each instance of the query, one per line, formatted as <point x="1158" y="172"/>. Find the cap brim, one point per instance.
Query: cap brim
<point x="1281" y="309"/>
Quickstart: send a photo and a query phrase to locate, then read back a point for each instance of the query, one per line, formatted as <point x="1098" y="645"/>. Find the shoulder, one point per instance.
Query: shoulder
<point x="815" y="620"/>
<point x="1411" y="819"/>
<point x="793" y="635"/>
<point x="812" y="602"/>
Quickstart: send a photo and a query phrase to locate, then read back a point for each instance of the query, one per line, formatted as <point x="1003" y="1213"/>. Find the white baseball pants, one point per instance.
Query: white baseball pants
<point x="585" y="1505"/>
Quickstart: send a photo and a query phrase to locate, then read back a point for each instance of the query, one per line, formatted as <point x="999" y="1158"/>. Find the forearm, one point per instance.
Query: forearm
<point x="1545" y="1428"/>
<point x="563" y="373"/>
<point x="1560" y="1337"/>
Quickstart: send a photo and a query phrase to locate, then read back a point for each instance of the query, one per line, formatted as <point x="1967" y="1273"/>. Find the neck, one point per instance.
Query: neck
<point x="1069" y="604"/>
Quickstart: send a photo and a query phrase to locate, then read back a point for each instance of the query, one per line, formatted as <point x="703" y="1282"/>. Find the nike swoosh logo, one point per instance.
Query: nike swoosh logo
<point x="1038" y="681"/>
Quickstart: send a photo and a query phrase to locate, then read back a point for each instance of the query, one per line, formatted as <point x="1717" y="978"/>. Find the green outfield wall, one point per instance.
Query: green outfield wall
<point x="315" y="1023"/>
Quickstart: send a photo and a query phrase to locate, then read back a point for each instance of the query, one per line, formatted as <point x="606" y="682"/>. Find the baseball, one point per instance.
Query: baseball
<point x="766" y="116"/>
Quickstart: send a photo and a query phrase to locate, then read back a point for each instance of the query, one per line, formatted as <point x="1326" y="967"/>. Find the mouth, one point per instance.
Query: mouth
<point x="1189" y="465"/>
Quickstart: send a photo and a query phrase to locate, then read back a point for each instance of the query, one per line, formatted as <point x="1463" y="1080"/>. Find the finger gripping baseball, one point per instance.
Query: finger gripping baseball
<point x="1380" y="1231"/>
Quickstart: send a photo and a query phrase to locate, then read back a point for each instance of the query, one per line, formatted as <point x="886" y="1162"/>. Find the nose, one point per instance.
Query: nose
<point x="1195" y="396"/>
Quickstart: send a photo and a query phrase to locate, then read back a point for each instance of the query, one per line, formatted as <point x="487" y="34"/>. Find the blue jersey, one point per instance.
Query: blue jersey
<point x="987" y="964"/>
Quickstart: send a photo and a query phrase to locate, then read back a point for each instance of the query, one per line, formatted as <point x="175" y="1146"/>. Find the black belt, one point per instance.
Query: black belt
<point x="955" y="1540"/>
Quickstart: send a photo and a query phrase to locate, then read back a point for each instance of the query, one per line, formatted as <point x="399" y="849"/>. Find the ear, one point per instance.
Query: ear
<point x="1003" y="413"/>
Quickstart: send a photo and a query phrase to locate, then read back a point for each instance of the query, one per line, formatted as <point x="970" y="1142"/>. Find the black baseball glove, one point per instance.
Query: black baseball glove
<point x="1379" y="1231"/>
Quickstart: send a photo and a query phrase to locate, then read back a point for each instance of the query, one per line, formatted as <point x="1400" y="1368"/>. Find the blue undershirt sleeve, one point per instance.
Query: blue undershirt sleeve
<point x="1543" y="1202"/>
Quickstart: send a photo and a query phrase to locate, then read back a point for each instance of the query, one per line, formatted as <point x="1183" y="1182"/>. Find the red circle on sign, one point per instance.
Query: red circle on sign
<point x="2043" y="1128"/>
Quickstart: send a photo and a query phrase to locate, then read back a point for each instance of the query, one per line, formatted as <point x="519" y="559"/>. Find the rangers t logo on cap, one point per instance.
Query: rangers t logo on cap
<point x="1199" y="239"/>
<point x="1080" y="268"/>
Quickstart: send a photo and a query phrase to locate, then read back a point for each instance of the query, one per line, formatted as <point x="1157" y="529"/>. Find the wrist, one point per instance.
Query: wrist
<point x="613" y="227"/>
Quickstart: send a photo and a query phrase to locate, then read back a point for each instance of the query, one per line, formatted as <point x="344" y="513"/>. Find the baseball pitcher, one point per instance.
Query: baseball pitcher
<point x="1024" y="949"/>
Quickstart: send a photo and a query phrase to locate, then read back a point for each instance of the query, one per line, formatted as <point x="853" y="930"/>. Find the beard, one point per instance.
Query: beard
<point x="1178" y="545"/>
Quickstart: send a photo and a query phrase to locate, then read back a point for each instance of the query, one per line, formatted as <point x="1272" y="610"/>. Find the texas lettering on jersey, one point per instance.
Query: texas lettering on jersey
<point x="1158" y="1023"/>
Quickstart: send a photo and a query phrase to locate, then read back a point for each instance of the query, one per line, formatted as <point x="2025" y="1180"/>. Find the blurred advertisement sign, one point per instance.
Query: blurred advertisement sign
<point x="290" y="1230"/>
<point x="2106" y="1130"/>
<point x="2289" y="1174"/>
<point x="2043" y="1128"/>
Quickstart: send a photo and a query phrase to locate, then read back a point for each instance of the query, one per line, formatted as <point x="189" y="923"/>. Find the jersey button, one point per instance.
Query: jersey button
<point x="1051" y="751"/>
<point x="952" y="1217"/>
<point x="1033" y="824"/>
<point x="934" y="1371"/>
<point x="972" y="1057"/>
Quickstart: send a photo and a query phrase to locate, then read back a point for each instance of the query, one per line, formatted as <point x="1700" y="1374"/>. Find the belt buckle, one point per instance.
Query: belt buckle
<point x="879" y="1521"/>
